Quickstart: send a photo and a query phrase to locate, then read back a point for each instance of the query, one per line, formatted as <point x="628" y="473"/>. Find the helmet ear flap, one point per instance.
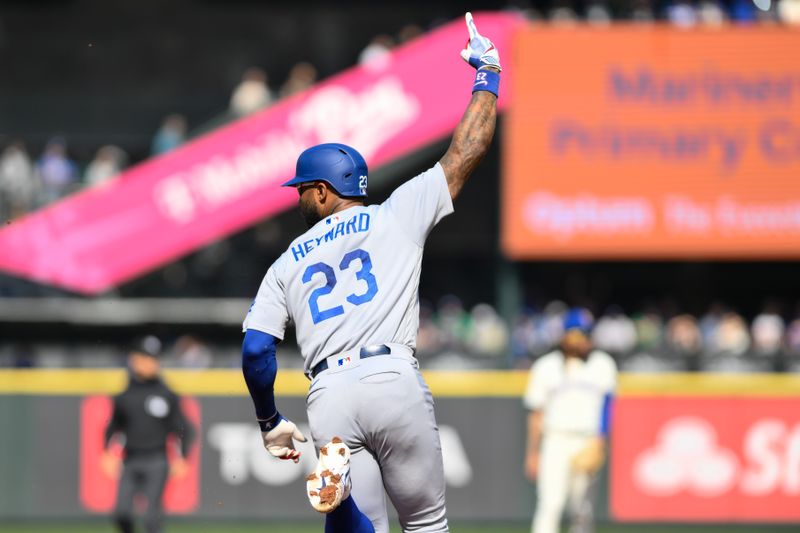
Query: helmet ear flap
<point x="338" y="165"/>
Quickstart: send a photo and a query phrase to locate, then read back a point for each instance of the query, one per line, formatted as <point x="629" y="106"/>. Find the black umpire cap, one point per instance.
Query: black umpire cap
<point x="147" y="345"/>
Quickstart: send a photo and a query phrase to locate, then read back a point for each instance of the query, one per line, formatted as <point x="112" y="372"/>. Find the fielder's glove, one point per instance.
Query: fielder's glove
<point x="479" y="51"/>
<point x="278" y="437"/>
<point x="591" y="457"/>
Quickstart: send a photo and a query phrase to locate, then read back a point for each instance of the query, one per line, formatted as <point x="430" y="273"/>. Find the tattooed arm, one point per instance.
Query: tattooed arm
<point x="474" y="133"/>
<point x="471" y="140"/>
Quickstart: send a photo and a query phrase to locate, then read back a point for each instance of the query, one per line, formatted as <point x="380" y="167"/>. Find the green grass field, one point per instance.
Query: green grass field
<point x="284" y="527"/>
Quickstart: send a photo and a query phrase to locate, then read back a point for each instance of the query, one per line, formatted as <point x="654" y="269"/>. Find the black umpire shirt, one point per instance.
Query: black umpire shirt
<point x="146" y="413"/>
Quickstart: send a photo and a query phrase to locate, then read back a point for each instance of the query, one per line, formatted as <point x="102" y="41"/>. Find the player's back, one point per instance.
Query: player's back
<point x="352" y="279"/>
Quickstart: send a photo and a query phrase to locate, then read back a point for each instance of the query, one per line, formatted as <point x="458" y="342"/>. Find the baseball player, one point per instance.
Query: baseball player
<point x="349" y="285"/>
<point x="569" y="397"/>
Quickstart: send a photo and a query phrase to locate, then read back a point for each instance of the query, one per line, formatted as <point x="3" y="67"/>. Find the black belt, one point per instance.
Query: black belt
<point x="366" y="351"/>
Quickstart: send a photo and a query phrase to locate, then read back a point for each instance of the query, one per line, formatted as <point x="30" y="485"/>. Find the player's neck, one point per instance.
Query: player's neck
<point x="344" y="203"/>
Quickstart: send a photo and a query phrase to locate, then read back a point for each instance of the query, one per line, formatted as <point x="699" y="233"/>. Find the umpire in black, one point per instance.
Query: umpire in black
<point x="145" y="414"/>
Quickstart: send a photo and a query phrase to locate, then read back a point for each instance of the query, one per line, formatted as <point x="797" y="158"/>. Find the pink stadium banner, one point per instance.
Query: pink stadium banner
<point x="229" y="179"/>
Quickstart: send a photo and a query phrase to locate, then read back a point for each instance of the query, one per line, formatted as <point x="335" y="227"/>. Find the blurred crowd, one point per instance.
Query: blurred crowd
<point x="28" y="182"/>
<point x="681" y="13"/>
<point x="650" y="340"/>
<point x="452" y="336"/>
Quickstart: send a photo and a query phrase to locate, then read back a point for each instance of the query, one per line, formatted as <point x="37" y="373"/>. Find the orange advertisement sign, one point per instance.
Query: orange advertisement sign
<point x="653" y="143"/>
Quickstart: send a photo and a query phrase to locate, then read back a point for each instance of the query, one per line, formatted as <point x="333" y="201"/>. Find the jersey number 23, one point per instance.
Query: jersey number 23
<point x="365" y="275"/>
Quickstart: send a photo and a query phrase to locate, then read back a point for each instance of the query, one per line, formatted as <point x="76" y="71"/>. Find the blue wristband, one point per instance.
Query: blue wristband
<point x="487" y="80"/>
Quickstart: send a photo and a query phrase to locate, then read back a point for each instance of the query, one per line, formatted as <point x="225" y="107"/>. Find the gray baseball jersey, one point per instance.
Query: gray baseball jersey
<point x="352" y="279"/>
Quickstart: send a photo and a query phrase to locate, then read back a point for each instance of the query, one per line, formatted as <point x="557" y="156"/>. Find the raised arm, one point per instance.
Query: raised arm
<point x="471" y="140"/>
<point x="474" y="133"/>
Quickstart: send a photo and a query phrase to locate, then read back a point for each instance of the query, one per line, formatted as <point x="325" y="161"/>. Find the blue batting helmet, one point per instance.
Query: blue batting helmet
<point x="338" y="165"/>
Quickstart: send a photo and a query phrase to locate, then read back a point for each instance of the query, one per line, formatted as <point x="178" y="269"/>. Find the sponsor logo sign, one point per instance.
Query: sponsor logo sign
<point x="653" y="143"/>
<point x="701" y="458"/>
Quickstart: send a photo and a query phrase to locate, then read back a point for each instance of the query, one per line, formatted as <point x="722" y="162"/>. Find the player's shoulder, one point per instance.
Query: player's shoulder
<point x="420" y="183"/>
<point x="280" y="264"/>
<point x="603" y="359"/>
<point x="549" y="360"/>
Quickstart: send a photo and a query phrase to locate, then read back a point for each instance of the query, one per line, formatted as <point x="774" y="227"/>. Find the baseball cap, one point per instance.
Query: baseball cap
<point x="578" y="318"/>
<point x="148" y="345"/>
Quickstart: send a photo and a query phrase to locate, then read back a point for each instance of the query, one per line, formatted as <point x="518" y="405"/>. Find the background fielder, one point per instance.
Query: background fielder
<point x="569" y="396"/>
<point x="349" y="285"/>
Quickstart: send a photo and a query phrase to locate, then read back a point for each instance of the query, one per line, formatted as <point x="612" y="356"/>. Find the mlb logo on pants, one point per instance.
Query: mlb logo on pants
<point x="345" y="361"/>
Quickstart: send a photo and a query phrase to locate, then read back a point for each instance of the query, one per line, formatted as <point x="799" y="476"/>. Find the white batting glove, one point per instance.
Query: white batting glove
<point x="278" y="440"/>
<point x="479" y="51"/>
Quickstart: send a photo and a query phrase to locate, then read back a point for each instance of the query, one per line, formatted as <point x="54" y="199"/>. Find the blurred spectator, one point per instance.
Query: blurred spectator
<point x="453" y="322"/>
<point x="57" y="172"/>
<point x="18" y="183"/>
<point x="682" y="14"/>
<point x="190" y="352"/>
<point x="648" y="330"/>
<point x="642" y="11"/>
<point x="524" y="339"/>
<point x="709" y="324"/>
<point x="377" y="53"/>
<point x="251" y="94"/>
<point x="793" y="336"/>
<point x="551" y="324"/>
<point x="428" y="336"/>
<point x="683" y="335"/>
<point x="615" y="332"/>
<point x="789" y="11"/>
<point x="743" y="11"/>
<point x="170" y="135"/>
<point x="563" y="14"/>
<point x="524" y="8"/>
<point x="767" y="12"/>
<point x="107" y="163"/>
<point x="732" y="337"/>
<point x="301" y="77"/>
<point x="489" y="333"/>
<point x="408" y="32"/>
<point x="598" y="14"/>
<point x="767" y="331"/>
<point x="710" y="13"/>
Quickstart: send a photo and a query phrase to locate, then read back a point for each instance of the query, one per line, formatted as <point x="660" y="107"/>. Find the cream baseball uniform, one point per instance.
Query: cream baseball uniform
<point x="570" y="393"/>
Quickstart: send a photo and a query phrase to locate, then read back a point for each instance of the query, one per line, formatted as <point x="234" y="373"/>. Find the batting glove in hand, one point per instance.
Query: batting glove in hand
<point x="278" y="440"/>
<point x="480" y="51"/>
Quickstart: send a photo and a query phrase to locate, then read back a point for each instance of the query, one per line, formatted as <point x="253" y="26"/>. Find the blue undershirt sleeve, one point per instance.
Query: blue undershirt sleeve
<point x="260" y="366"/>
<point x="605" y="416"/>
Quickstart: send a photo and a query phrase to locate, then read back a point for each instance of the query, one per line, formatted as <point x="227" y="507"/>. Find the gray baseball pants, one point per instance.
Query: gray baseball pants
<point x="383" y="410"/>
<point x="146" y="475"/>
